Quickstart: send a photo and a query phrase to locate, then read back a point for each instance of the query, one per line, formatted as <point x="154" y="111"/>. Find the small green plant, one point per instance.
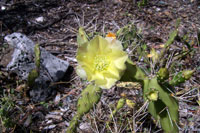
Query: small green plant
<point x="102" y="61"/>
<point x="142" y="3"/>
<point x="7" y="106"/>
<point x="44" y="104"/>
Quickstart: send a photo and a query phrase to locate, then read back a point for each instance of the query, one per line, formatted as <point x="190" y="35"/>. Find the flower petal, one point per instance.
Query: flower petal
<point x="110" y="82"/>
<point x="113" y="71"/>
<point x="120" y="62"/>
<point x="116" y="44"/>
<point x="103" y="61"/>
<point x="81" y="72"/>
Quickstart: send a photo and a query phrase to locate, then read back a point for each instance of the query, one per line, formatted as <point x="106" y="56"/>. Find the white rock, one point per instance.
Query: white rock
<point x="158" y="9"/>
<point x="3" y="8"/>
<point x="22" y="62"/>
<point x="23" y="58"/>
<point x="86" y="127"/>
<point x="39" y="19"/>
<point x="50" y="127"/>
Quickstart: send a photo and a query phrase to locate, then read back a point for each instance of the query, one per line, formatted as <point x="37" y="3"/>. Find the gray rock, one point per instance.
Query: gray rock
<point x="22" y="62"/>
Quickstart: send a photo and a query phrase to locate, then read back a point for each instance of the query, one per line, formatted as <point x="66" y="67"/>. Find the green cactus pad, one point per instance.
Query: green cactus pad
<point x="120" y="104"/>
<point x="133" y="73"/>
<point x="187" y="74"/>
<point x="37" y="56"/>
<point x="73" y="124"/>
<point x="81" y="37"/>
<point x="165" y="108"/>
<point x="181" y="77"/>
<point x="89" y="96"/>
<point x="32" y="77"/>
<point x="35" y="72"/>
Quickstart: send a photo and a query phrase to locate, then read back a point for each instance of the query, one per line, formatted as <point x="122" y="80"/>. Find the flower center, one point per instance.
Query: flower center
<point x="101" y="63"/>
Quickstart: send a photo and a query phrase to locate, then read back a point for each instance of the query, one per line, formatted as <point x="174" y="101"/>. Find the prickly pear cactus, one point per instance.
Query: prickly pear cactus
<point x="32" y="77"/>
<point x="163" y="74"/>
<point x="35" y="72"/>
<point x="81" y="37"/>
<point x="181" y="77"/>
<point x="120" y="104"/>
<point x="133" y="73"/>
<point x="37" y="56"/>
<point x="157" y="90"/>
<point x="162" y="106"/>
<point x="88" y="98"/>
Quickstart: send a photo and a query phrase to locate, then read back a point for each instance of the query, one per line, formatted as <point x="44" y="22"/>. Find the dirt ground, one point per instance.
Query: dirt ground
<point x="54" y="24"/>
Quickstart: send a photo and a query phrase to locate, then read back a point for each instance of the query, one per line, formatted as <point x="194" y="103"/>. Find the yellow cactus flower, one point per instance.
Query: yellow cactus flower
<point x="101" y="60"/>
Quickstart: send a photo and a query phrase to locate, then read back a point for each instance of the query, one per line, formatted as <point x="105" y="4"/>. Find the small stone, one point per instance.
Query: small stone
<point x="57" y="117"/>
<point x="158" y="9"/>
<point x="117" y="2"/>
<point x="49" y="121"/>
<point x="162" y="3"/>
<point x="50" y="127"/>
<point x="86" y="127"/>
<point x="39" y="19"/>
<point x="3" y="8"/>
<point x="57" y="99"/>
<point x="64" y="109"/>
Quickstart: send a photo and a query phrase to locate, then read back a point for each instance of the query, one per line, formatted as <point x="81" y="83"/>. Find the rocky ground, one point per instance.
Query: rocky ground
<point x="54" y="23"/>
